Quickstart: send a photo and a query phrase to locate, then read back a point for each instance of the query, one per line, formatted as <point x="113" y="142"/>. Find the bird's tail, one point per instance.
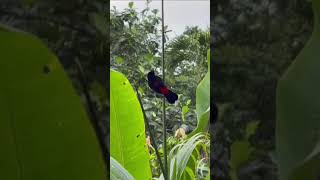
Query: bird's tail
<point x="171" y="97"/>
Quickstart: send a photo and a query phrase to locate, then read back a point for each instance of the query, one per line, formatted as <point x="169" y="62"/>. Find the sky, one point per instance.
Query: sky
<point x="177" y="13"/>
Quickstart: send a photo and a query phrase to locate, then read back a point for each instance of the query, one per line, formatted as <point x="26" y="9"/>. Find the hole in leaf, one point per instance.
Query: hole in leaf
<point x="46" y="69"/>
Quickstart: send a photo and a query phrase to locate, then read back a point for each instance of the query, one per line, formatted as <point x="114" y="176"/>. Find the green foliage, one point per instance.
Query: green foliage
<point x="136" y="46"/>
<point x="253" y="42"/>
<point x="135" y="50"/>
<point x="203" y="101"/>
<point x="181" y="155"/>
<point x="241" y="150"/>
<point x="73" y="29"/>
<point x="203" y="170"/>
<point x="203" y="93"/>
<point x="135" y="39"/>
<point x="127" y="131"/>
<point x="298" y="112"/>
<point x="118" y="171"/>
<point x="100" y="22"/>
<point x="184" y="111"/>
<point x="187" y="60"/>
<point x="45" y="131"/>
<point x="130" y="5"/>
<point x="119" y="60"/>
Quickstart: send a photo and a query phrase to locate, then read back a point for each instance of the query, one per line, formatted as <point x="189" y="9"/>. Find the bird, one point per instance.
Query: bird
<point x="156" y="84"/>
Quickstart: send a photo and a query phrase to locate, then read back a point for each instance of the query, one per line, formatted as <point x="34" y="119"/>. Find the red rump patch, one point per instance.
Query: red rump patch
<point x="164" y="90"/>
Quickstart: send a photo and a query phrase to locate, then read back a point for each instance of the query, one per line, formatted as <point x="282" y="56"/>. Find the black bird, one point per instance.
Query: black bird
<point x="156" y="84"/>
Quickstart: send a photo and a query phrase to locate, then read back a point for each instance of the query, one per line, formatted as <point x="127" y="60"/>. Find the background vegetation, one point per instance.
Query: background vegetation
<point x="253" y="43"/>
<point x="135" y="50"/>
<point x="135" y="44"/>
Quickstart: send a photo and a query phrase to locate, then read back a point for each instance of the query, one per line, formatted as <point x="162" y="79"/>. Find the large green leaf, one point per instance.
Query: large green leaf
<point x="117" y="171"/>
<point x="44" y="130"/>
<point x="298" y="111"/>
<point x="203" y="93"/>
<point x="127" y="131"/>
<point x="203" y="101"/>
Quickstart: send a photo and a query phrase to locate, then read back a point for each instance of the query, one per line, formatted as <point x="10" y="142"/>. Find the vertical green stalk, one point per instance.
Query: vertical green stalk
<point x="164" y="102"/>
<point x="153" y="138"/>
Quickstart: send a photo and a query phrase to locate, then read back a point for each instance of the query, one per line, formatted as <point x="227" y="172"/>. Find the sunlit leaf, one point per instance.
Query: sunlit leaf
<point x="190" y="173"/>
<point x="185" y="109"/>
<point x="154" y="114"/>
<point x="203" y="102"/>
<point x="181" y="154"/>
<point x="148" y="57"/>
<point x="127" y="129"/>
<point x="141" y="69"/>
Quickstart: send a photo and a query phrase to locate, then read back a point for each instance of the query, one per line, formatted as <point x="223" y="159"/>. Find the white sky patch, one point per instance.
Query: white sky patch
<point x="177" y="14"/>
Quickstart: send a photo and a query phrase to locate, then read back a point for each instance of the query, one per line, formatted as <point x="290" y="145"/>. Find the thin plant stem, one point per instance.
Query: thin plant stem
<point x="153" y="138"/>
<point x="94" y="117"/>
<point x="165" y="173"/>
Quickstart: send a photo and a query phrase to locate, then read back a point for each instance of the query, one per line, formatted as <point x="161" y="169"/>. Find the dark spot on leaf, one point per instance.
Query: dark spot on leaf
<point x="124" y="83"/>
<point x="46" y="69"/>
<point x="138" y="135"/>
